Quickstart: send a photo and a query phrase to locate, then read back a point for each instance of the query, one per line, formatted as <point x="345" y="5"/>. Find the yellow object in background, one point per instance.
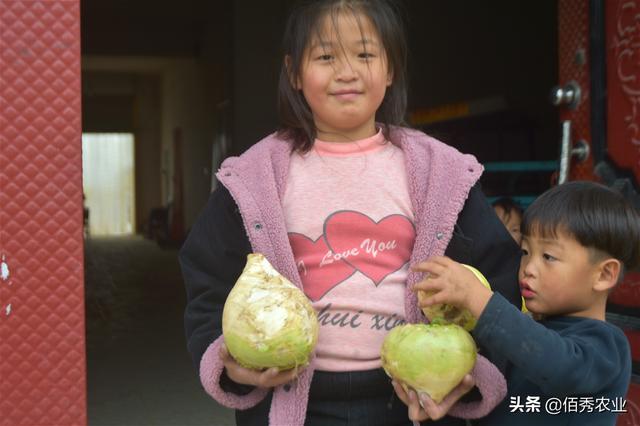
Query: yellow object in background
<point x="484" y="281"/>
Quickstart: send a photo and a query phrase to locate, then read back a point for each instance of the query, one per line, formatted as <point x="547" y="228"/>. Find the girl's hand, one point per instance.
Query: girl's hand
<point x="269" y="378"/>
<point x="453" y="284"/>
<point x="422" y="408"/>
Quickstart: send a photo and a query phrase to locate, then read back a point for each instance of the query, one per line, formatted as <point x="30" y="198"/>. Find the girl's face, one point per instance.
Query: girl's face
<point x="344" y="77"/>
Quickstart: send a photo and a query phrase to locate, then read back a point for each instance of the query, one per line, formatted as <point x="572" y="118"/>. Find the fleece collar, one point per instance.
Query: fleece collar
<point x="438" y="175"/>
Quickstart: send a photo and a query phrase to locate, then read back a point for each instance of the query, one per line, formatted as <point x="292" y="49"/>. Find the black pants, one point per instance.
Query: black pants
<point x="347" y="399"/>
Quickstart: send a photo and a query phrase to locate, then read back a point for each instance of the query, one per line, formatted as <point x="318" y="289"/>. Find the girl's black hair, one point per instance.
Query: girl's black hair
<point x="296" y="119"/>
<point x="509" y="206"/>
<point x="596" y="216"/>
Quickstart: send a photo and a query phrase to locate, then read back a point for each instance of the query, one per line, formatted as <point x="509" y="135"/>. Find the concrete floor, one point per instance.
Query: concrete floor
<point x="138" y="369"/>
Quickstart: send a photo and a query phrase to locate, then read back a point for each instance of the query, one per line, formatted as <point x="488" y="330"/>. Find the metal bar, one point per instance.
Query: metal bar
<point x="521" y="166"/>
<point x="565" y="152"/>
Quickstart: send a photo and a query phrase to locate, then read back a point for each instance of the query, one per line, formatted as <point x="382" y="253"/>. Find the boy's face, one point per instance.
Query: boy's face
<point x="557" y="276"/>
<point x="344" y="78"/>
<point x="511" y="222"/>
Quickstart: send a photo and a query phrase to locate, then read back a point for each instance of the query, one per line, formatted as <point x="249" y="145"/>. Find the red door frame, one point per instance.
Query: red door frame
<point x="574" y="66"/>
<point x="42" y="333"/>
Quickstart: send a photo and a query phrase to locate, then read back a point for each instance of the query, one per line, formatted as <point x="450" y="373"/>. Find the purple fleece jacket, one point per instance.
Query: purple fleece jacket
<point x="439" y="180"/>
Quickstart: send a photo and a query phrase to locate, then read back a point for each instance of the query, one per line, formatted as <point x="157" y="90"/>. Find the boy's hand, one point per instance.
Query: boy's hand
<point x="422" y="408"/>
<point x="453" y="284"/>
<point x="269" y="378"/>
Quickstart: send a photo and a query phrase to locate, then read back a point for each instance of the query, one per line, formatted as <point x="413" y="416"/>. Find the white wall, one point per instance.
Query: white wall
<point x="183" y="104"/>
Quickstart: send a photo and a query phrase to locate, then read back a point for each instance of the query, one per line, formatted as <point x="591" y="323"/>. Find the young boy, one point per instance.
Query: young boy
<point x="571" y="367"/>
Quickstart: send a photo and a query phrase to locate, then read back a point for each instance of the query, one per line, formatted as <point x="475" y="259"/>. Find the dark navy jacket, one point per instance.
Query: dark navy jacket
<point x="560" y="371"/>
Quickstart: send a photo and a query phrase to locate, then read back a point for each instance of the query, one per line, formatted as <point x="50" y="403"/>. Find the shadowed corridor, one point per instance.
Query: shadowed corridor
<point x="138" y="368"/>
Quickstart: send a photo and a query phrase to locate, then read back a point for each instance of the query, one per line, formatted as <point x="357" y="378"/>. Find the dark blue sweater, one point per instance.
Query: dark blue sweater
<point x="580" y="364"/>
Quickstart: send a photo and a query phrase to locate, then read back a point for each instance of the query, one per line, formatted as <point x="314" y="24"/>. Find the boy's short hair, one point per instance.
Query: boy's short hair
<point x="596" y="216"/>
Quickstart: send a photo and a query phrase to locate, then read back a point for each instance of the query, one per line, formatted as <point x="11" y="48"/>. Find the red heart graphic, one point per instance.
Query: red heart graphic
<point x="376" y="249"/>
<point x="319" y="272"/>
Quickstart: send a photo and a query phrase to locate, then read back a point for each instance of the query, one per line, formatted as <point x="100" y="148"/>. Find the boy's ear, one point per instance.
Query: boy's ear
<point x="294" y="82"/>
<point x="608" y="274"/>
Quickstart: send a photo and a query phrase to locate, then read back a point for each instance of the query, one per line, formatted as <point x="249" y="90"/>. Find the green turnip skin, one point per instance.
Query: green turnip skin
<point x="430" y="358"/>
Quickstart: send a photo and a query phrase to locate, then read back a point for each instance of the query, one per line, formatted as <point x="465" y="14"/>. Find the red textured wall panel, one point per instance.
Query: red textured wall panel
<point x="42" y="352"/>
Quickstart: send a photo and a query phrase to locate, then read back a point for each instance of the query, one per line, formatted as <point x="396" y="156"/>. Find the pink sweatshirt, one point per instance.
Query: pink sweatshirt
<point x="351" y="227"/>
<point x="439" y="179"/>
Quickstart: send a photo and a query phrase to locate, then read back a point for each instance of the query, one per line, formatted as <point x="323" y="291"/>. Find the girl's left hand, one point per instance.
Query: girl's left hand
<point x="422" y="408"/>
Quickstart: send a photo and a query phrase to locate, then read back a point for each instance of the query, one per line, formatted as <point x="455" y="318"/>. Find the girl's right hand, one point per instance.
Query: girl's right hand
<point x="422" y="408"/>
<point x="269" y="378"/>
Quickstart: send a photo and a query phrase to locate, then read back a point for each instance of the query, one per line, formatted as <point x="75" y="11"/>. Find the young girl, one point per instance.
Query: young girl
<point x="341" y="200"/>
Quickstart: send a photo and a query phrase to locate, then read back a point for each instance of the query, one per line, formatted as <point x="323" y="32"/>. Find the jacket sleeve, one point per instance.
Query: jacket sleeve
<point x="490" y="390"/>
<point x="212" y="258"/>
<point x="481" y="240"/>
<point x="583" y="357"/>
